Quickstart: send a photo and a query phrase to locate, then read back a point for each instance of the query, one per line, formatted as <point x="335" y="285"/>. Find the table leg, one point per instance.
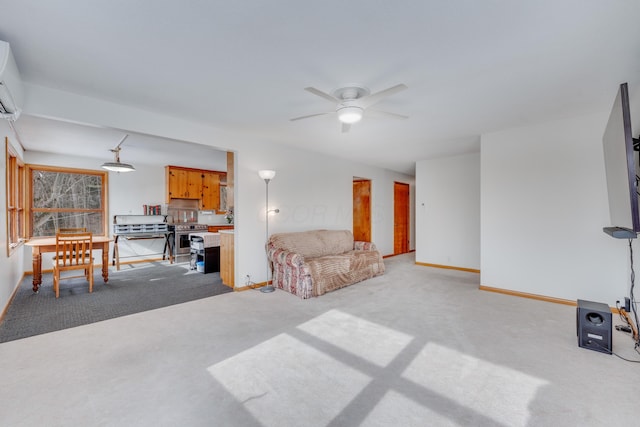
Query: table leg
<point x="105" y="262"/>
<point x="37" y="271"/>
<point x="168" y="250"/>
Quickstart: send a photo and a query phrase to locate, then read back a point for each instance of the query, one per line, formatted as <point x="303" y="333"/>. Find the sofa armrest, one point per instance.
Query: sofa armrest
<point x="364" y="246"/>
<point x="280" y="256"/>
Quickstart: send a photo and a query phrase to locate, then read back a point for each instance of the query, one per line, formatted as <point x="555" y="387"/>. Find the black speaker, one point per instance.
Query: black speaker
<point x="593" y="321"/>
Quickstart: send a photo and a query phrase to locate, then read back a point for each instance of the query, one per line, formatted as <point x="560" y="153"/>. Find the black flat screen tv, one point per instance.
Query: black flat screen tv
<point x="621" y="162"/>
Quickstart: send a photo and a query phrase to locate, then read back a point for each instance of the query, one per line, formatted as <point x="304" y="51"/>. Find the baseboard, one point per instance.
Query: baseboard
<point x="251" y="286"/>
<point x="536" y="297"/>
<point x="139" y="261"/>
<point x="390" y="255"/>
<point x="99" y="266"/>
<point x="13" y="294"/>
<point x="448" y="267"/>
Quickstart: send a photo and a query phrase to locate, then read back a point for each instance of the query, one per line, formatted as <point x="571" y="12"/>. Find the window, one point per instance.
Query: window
<point x="66" y="198"/>
<point x="15" y="199"/>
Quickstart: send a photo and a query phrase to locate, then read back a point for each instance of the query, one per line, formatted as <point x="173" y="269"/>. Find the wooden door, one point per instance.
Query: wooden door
<point x="362" y="210"/>
<point x="400" y="218"/>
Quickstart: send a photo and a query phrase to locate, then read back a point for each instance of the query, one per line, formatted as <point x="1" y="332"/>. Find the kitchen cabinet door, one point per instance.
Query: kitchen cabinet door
<point x="183" y="183"/>
<point x="210" y="191"/>
<point x="176" y="183"/>
<point x="194" y="184"/>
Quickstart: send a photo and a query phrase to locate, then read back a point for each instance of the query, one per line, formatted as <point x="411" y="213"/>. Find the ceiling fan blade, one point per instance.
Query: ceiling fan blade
<point x="388" y="114"/>
<point x="345" y="127"/>
<point x="310" y="115"/>
<point x="321" y="94"/>
<point x="374" y="98"/>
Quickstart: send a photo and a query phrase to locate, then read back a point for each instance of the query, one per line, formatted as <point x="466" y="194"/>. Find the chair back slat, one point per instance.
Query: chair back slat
<point x="74" y="248"/>
<point x="73" y="252"/>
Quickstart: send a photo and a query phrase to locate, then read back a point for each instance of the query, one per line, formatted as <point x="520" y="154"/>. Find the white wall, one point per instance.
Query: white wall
<point x="312" y="190"/>
<point x="448" y="211"/>
<point x="544" y="204"/>
<point x="11" y="268"/>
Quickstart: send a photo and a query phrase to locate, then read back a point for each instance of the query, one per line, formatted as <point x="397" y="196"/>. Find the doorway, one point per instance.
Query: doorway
<point x="362" y="209"/>
<point x="400" y="218"/>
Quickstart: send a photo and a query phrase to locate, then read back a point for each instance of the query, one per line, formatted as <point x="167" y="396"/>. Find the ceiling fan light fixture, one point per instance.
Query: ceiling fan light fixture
<point x="350" y="114"/>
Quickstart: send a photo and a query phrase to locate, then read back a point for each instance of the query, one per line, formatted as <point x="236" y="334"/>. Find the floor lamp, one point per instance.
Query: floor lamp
<point x="267" y="175"/>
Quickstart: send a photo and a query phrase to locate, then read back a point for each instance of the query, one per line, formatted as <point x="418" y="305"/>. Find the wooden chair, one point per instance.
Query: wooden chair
<point x="74" y="251"/>
<point x="73" y="230"/>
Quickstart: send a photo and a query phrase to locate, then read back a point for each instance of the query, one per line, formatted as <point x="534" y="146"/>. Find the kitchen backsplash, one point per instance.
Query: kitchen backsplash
<point x="204" y="217"/>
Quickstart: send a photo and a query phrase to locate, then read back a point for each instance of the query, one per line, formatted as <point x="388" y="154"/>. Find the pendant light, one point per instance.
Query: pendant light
<point x="118" y="166"/>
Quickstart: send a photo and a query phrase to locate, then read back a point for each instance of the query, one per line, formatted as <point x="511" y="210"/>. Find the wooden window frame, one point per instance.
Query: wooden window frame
<point x="104" y="175"/>
<point x="15" y="199"/>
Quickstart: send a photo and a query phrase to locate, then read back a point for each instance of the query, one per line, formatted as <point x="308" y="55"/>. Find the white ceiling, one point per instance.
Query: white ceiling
<point x="471" y="66"/>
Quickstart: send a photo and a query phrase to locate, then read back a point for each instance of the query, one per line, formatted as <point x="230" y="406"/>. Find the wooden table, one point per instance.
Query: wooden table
<point x="48" y="244"/>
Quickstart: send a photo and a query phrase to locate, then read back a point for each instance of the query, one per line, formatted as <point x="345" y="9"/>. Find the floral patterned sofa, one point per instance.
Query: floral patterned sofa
<point x="311" y="263"/>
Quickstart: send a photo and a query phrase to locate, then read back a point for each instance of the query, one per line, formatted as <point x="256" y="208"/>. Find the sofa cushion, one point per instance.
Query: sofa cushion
<point x="333" y="272"/>
<point x="329" y="272"/>
<point x="315" y="243"/>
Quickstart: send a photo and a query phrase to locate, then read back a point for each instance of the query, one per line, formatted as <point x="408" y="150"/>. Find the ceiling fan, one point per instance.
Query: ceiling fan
<point x="352" y="101"/>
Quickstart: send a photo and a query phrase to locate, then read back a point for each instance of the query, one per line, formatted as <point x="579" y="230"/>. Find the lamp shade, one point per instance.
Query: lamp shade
<point x="118" y="167"/>
<point x="266" y="174"/>
<point x="350" y="114"/>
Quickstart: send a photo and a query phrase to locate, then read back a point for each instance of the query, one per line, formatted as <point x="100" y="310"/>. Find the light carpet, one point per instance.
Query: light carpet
<point x="416" y="347"/>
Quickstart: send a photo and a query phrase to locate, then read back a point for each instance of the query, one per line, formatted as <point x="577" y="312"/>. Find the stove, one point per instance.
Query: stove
<point x="187" y="226"/>
<point x="182" y="244"/>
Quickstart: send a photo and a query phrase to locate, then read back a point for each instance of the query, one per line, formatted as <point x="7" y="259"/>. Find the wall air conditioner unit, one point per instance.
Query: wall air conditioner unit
<point x="10" y="85"/>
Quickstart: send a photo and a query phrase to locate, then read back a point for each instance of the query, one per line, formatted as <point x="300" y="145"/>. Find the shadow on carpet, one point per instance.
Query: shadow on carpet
<point x="133" y="289"/>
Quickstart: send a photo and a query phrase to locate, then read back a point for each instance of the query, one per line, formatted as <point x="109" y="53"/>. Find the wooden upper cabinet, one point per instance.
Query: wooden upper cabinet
<point x="210" y="191"/>
<point x="194" y="184"/>
<point x="198" y="184"/>
<point x="177" y="187"/>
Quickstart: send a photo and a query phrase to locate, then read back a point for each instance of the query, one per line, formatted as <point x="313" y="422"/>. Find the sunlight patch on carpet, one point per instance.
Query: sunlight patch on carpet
<point x="339" y="370"/>
<point x="370" y="341"/>
<point x="284" y="369"/>
<point x="498" y="392"/>
<point x="395" y="409"/>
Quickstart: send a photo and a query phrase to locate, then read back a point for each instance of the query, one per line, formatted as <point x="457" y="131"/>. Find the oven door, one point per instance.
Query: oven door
<point x="183" y="244"/>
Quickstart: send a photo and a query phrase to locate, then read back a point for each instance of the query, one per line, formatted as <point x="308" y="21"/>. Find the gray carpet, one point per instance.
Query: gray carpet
<point x="135" y="288"/>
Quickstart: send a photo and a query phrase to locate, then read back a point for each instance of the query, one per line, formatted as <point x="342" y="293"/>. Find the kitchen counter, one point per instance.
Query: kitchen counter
<point x="216" y="228"/>
<point x="207" y="239"/>
<point x="226" y="231"/>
